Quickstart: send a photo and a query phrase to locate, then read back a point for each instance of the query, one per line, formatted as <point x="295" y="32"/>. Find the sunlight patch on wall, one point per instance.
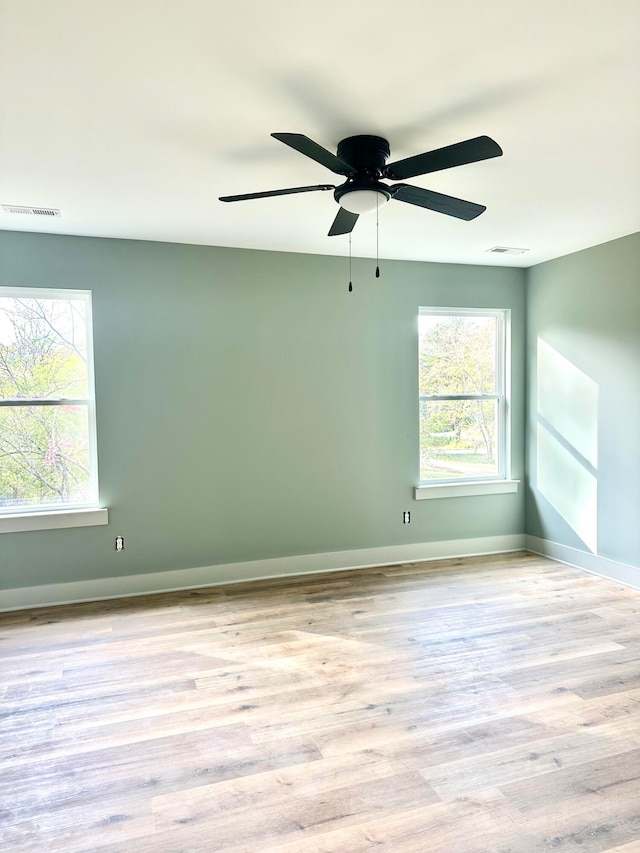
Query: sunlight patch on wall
<point x="567" y="442"/>
<point x="569" y="487"/>
<point x="568" y="400"/>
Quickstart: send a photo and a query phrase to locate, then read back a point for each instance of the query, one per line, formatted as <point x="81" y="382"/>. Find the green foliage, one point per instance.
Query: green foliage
<point x="44" y="453"/>
<point x="457" y="356"/>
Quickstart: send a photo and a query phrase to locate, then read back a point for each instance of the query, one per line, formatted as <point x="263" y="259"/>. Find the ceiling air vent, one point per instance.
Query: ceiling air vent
<point x="31" y="211"/>
<point x="506" y="250"/>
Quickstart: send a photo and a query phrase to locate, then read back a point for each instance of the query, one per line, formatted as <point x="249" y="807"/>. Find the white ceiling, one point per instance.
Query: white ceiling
<point x="133" y="116"/>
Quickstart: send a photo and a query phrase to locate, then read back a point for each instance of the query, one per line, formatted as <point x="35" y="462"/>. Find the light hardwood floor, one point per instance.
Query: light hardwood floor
<point x="485" y="705"/>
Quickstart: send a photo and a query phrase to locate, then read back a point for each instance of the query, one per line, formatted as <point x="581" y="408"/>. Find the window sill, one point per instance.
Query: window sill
<point x="21" y="522"/>
<point x="464" y="490"/>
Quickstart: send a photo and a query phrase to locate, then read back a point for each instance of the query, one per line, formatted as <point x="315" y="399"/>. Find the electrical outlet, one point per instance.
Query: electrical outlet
<point x="406" y="518"/>
<point x="119" y="543"/>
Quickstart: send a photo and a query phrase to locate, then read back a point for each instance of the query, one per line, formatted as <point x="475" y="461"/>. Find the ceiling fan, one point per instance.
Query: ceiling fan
<point x="363" y="161"/>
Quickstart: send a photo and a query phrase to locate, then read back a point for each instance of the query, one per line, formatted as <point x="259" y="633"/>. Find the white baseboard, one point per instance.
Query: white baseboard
<point x="144" y="584"/>
<point x="620" y="572"/>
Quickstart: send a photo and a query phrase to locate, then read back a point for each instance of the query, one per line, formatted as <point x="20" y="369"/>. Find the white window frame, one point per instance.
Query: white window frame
<point x="499" y="482"/>
<point x="20" y="518"/>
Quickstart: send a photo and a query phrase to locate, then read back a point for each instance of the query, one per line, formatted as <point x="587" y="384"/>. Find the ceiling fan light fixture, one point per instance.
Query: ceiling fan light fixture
<point x="363" y="201"/>
<point x="362" y="160"/>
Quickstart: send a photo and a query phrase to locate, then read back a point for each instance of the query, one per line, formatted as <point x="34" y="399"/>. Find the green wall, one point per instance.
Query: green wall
<point x="250" y="407"/>
<point x="584" y="375"/>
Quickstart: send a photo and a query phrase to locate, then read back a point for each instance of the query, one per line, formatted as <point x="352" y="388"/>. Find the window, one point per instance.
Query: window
<point x="47" y="408"/>
<point x="463" y="395"/>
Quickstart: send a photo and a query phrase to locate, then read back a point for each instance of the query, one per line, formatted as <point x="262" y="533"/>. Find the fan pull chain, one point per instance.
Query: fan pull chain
<point x="350" y="285"/>
<point x="377" y="240"/>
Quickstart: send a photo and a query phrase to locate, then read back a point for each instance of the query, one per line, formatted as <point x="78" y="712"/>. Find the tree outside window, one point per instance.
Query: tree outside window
<point x="47" y="423"/>
<point x="462" y="394"/>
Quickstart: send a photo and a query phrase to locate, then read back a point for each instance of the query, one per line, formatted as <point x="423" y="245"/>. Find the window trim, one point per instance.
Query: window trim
<point x="14" y="518"/>
<point x="466" y="488"/>
<point x="53" y="519"/>
<point x="500" y="482"/>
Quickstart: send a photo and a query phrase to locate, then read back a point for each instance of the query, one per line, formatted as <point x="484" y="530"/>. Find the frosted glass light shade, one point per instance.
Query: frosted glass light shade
<point x="362" y="201"/>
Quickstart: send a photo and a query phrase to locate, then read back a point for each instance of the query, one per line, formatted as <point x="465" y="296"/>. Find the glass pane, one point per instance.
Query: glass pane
<point x="457" y="354"/>
<point x="44" y="456"/>
<point x="43" y="348"/>
<point x="458" y="439"/>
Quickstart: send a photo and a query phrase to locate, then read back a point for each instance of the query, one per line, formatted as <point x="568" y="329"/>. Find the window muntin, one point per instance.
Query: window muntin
<point x="47" y="407"/>
<point x="463" y="401"/>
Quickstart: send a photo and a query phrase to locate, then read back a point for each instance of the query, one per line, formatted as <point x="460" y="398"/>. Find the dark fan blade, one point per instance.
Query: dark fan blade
<point x="343" y="223"/>
<point x="309" y="148"/>
<point x="436" y="201"/>
<point x="480" y="148"/>
<point x="271" y="193"/>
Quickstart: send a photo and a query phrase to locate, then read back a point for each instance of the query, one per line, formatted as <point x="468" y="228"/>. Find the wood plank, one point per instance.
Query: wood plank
<point x="482" y="705"/>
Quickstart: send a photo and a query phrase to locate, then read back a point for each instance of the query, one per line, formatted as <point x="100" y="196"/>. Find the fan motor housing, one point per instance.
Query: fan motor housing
<point x="367" y="154"/>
